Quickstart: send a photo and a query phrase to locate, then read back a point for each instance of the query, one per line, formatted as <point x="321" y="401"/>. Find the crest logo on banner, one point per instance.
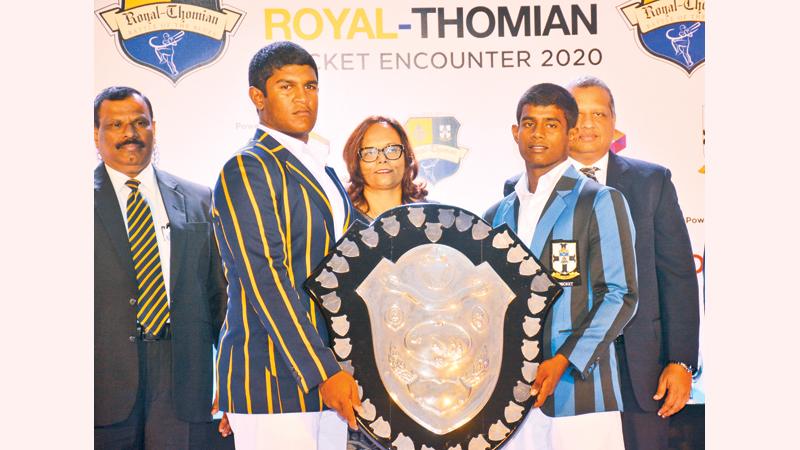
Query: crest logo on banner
<point x="171" y="37"/>
<point x="435" y="144"/>
<point x="670" y="30"/>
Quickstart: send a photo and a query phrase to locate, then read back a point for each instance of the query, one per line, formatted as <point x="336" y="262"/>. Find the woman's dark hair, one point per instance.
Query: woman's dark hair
<point x="412" y="191"/>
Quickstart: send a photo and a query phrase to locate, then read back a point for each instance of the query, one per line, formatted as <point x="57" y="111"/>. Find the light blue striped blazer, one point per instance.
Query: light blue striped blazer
<point x="587" y="318"/>
<point x="274" y="223"/>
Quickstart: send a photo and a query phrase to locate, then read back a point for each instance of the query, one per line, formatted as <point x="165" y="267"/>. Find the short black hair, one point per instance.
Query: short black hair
<point x="546" y="94"/>
<point x="117" y="93"/>
<point x="273" y="57"/>
<point x="588" y="81"/>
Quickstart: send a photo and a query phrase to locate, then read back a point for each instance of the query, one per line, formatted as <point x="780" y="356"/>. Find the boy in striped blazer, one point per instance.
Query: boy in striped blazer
<point x="583" y="234"/>
<point x="278" y="210"/>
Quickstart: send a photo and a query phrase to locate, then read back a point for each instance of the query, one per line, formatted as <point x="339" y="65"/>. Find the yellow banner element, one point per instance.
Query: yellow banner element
<point x="566" y="277"/>
<point x="439" y="151"/>
<point x="130" y="4"/>
<point x="658" y="13"/>
<point x="420" y="131"/>
<point x="171" y="16"/>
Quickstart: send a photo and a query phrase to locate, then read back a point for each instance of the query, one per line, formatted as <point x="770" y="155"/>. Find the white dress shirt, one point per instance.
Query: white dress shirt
<point x="601" y="164"/>
<point x="148" y="187"/>
<point x="314" y="156"/>
<point x="531" y="204"/>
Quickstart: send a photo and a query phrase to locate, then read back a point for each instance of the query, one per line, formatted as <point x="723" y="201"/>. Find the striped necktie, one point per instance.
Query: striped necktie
<point x="152" y="307"/>
<point x="590" y="172"/>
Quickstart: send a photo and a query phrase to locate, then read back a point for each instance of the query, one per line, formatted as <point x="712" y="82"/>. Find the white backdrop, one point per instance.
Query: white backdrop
<point x="204" y="117"/>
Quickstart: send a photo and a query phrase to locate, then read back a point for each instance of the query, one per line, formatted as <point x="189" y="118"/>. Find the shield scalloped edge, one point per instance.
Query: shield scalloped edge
<point x="365" y="247"/>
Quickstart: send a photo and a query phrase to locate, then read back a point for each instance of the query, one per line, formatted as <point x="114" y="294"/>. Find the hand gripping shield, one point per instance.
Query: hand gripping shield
<point x="439" y="318"/>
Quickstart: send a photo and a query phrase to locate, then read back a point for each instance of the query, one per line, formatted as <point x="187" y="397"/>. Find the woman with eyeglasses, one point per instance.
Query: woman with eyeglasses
<point x="382" y="167"/>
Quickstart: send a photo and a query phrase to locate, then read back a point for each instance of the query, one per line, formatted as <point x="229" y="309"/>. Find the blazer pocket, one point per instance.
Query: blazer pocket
<point x="657" y="329"/>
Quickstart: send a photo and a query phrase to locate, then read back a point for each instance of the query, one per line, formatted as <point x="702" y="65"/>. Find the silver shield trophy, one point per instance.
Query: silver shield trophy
<point x="439" y="319"/>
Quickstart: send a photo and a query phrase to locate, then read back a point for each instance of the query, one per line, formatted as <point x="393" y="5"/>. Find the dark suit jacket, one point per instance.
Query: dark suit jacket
<point x="666" y="325"/>
<point x="590" y="314"/>
<point x="197" y="301"/>
<point x="275" y="224"/>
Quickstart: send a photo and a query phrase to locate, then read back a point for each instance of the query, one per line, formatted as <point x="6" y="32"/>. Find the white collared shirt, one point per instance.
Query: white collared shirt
<point x="148" y="187"/>
<point x="531" y="204"/>
<point x="602" y="167"/>
<point x="314" y="156"/>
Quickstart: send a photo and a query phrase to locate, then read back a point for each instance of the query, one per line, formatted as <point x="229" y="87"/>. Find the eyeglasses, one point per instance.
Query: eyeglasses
<point x="391" y="152"/>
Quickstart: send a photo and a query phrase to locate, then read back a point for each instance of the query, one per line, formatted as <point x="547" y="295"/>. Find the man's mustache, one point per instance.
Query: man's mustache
<point x="130" y="141"/>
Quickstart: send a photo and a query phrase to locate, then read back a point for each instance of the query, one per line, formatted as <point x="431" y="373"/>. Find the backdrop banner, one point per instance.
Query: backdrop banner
<point x="450" y="71"/>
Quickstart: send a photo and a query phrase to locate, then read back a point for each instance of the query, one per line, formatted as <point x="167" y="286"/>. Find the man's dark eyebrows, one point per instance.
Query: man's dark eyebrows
<point x="546" y="119"/>
<point x="138" y="117"/>
<point x="120" y="119"/>
<point x="294" y="82"/>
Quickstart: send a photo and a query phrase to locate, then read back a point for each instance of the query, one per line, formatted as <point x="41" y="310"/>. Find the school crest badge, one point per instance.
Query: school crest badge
<point x="171" y="37"/>
<point x="669" y="30"/>
<point x="435" y="145"/>
<point x="565" y="263"/>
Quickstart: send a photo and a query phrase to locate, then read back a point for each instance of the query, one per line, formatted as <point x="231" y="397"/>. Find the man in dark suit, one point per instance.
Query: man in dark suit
<point x="583" y="234"/>
<point x="658" y="348"/>
<point x="278" y="210"/>
<point x="159" y="290"/>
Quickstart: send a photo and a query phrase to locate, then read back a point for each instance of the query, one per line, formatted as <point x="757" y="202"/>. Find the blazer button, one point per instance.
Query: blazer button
<point x="132" y="338"/>
<point x="132" y="302"/>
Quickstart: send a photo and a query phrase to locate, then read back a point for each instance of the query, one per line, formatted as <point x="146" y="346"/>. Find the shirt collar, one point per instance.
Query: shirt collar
<point x="601" y="163"/>
<point x="147" y="178"/>
<point x="317" y="151"/>
<point x="545" y="185"/>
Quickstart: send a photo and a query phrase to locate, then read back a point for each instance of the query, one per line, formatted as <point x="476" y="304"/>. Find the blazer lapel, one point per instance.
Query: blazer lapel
<point x="175" y="204"/>
<point x="298" y="171"/>
<point x="300" y="174"/>
<point x="616" y="167"/>
<point x="507" y="212"/>
<point x="565" y="188"/>
<point x="107" y="207"/>
<point x="348" y="205"/>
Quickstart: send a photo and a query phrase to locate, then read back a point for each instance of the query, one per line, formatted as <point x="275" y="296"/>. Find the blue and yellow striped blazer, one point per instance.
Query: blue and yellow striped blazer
<point x="588" y="316"/>
<point x="274" y="224"/>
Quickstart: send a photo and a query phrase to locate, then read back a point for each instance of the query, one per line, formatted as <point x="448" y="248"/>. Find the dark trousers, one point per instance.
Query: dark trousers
<point x="152" y="424"/>
<point x="642" y="430"/>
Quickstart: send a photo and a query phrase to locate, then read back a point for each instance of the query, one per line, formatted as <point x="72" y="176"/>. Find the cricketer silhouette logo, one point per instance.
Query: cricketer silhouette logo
<point x="670" y="30"/>
<point x="171" y="37"/>
<point x="435" y="145"/>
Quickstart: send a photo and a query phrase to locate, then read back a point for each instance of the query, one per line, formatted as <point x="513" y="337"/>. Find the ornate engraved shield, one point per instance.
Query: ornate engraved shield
<point x="439" y="318"/>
